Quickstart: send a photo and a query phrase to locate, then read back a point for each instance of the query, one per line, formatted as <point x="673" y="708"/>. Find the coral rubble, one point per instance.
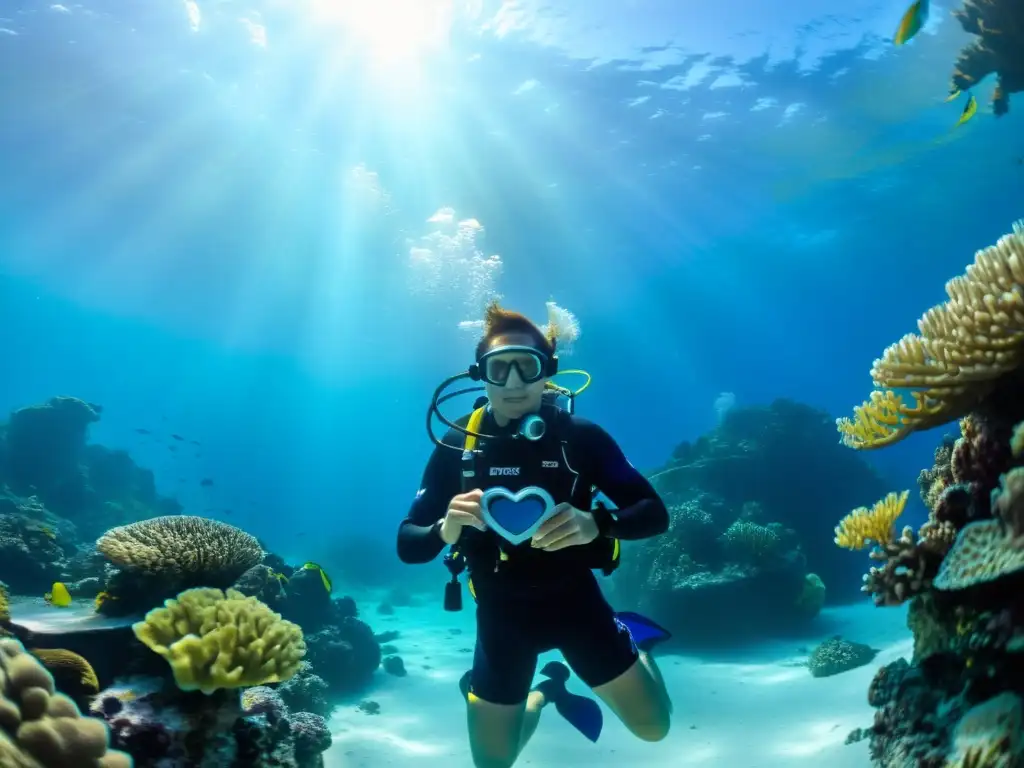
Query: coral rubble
<point x="957" y="703"/>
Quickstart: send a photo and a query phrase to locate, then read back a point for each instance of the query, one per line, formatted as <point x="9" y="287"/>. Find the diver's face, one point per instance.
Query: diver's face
<point x="516" y="398"/>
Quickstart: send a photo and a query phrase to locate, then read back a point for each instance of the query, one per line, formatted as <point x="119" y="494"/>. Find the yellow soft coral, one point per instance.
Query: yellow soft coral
<point x="964" y="345"/>
<point x="218" y="640"/>
<point x="864" y="526"/>
<point x="5" y="605"/>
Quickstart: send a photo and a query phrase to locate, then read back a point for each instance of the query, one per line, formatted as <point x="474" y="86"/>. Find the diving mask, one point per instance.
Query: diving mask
<point x="530" y="364"/>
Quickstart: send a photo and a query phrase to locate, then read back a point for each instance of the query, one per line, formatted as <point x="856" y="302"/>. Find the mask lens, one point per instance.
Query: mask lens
<point x="497" y="370"/>
<point x="528" y="364"/>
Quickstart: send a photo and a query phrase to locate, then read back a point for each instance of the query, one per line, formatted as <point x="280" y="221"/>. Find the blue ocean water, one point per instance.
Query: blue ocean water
<point x="271" y="228"/>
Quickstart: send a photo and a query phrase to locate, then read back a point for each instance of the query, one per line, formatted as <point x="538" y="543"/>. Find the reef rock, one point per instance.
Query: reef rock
<point x="45" y="454"/>
<point x="784" y="459"/>
<point x="161" y="726"/>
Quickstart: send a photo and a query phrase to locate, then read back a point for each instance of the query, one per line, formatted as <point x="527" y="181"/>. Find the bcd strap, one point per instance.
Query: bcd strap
<point x="454" y="559"/>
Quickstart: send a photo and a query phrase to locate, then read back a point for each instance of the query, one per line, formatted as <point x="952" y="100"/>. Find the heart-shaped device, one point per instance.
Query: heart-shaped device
<point x="516" y="516"/>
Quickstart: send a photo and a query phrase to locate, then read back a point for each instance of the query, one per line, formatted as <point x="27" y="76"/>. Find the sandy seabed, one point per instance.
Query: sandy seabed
<point x="758" y="708"/>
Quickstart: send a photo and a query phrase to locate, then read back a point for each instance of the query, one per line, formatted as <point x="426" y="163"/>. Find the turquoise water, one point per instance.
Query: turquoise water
<point x="271" y="228"/>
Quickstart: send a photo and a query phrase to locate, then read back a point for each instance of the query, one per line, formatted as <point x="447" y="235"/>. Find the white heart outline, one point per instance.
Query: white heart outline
<point x="505" y="493"/>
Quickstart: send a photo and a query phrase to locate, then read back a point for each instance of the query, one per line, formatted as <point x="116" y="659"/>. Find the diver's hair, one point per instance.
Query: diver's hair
<point x="499" y="321"/>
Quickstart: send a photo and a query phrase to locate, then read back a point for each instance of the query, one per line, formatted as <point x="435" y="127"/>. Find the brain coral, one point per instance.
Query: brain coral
<point x="43" y="729"/>
<point x="183" y="548"/>
<point x="215" y="640"/>
<point x="989" y="550"/>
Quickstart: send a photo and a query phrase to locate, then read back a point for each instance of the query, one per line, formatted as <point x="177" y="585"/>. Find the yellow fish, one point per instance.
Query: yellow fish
<point x="952" y="95"/>
<point x="323" y="575"/>
<point x="912" y="22"/>
<point x="58" y="595"/>
<point x="970" y="110"/>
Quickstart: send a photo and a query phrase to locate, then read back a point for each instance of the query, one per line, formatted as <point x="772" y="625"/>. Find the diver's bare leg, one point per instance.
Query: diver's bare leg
<point x="639" y="699"/>
<point x="498" y="732"/>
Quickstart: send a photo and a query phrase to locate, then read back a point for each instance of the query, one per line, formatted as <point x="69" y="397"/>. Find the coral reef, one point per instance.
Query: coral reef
<point x="345" y="655"/>
<point x="965" y="346"/>
<point x="957" y="705"/>
<point x="748" y="505"/>
<point x="31" y="557"/>
<point x="160" y="726"/>
<point x="305" y="691"/>
<point x="998" y="49"/>
<point x="216" y="640"/>
<point x="778" y="463"/>
<point x="40" y="728"/>
<point x="45" y="457"/>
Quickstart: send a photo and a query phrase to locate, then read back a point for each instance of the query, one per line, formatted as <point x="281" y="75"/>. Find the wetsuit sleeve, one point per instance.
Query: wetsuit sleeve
<point x="641" y="513"/>
<point x="418" y="539"/>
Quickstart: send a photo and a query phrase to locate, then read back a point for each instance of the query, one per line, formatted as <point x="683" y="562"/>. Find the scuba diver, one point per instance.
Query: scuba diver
<point x="510" y="489"/>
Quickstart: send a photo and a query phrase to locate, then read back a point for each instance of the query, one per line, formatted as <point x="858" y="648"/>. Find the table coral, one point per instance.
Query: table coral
<point x="216" y="640"/>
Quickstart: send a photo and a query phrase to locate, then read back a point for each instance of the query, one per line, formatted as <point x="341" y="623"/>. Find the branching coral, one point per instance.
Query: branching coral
<point x="215" y="640"/>
<point x="864" y="526"/>
<point x="909" y="563"/>
<point x="183" y="548"/>
<point x="43" y="729"/>
<point x="999" y="49"/>
<point x="963" y="348"/>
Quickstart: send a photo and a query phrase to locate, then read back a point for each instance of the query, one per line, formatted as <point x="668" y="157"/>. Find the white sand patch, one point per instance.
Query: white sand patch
<point x="756" y="709"/>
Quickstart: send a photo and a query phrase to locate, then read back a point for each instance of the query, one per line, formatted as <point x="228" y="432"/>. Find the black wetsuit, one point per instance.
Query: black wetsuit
<point x="534" y="601"/>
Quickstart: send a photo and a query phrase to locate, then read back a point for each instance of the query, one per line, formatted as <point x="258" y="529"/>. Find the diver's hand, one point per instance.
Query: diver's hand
<point x="463" y="509"/>
<point x="570" y="527"/>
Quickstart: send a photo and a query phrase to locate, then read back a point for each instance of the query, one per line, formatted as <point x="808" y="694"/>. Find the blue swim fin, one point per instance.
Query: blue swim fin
<point x="646" y="633"/>
<point x="581" y="712"/>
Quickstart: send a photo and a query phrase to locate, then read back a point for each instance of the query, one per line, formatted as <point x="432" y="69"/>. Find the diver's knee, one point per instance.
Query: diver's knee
<point x="652" y="730"/>
<point x="493" y="761"/>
